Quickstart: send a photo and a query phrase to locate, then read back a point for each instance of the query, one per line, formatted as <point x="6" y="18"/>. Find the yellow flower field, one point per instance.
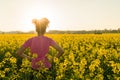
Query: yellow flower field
<point x="86" y="57"/>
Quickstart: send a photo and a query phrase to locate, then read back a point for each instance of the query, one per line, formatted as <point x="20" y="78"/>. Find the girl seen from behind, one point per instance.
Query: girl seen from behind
<point x="40" y="45"/>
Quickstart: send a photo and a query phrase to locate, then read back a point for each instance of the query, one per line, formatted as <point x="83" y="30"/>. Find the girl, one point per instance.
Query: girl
<point x="40" y="45"/>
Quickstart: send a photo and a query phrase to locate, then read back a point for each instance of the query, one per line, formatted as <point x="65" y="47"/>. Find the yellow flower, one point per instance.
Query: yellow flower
<point x="26" y="63"/>
<point x="1" y="65"/>
<point x="92" y="68"/>
<point x="40" y="63"/>
<point x="71" y="56"/>
<point x="7" y="69"/>
<point x="55" y="59"/>
<point x="83" y="61"/>
<point x="8" y="54"/>
<point x="2" y="74"/>
<point x="34" y="55"/>
<point x="13" y="60"/>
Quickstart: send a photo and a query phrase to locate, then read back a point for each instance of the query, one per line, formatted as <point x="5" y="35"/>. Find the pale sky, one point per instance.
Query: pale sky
<point x="63" y="14"/>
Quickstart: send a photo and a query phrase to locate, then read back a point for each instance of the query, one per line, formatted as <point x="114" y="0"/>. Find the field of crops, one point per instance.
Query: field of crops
<point x="86" y="57"/>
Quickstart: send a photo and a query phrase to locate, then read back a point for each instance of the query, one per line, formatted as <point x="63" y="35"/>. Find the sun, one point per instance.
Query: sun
<point x="38" y="14"/>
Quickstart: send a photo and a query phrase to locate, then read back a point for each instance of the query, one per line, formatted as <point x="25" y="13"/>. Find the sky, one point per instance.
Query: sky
<point x="17" y="15"/>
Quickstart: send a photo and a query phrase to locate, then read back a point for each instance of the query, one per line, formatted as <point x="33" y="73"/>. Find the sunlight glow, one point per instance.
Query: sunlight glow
<point x="17" y="15"/>
<point x="35" y="14"/>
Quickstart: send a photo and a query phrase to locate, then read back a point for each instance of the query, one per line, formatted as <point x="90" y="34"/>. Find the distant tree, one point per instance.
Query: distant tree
<point x="118" y="29"/>
<point x="98" y="32"/>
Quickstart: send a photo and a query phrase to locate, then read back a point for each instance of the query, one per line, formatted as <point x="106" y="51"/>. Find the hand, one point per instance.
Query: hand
<point x="29" y="58"/>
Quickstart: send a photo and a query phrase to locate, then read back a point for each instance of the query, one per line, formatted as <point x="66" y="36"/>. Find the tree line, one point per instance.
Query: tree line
<point x="67" y="32"/>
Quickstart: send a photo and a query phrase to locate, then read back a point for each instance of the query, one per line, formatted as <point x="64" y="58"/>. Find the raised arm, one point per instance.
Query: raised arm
<point x="20" y="52"/>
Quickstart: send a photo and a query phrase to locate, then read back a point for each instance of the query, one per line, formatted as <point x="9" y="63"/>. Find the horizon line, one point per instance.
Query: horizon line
<point x="55" y="30"/>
